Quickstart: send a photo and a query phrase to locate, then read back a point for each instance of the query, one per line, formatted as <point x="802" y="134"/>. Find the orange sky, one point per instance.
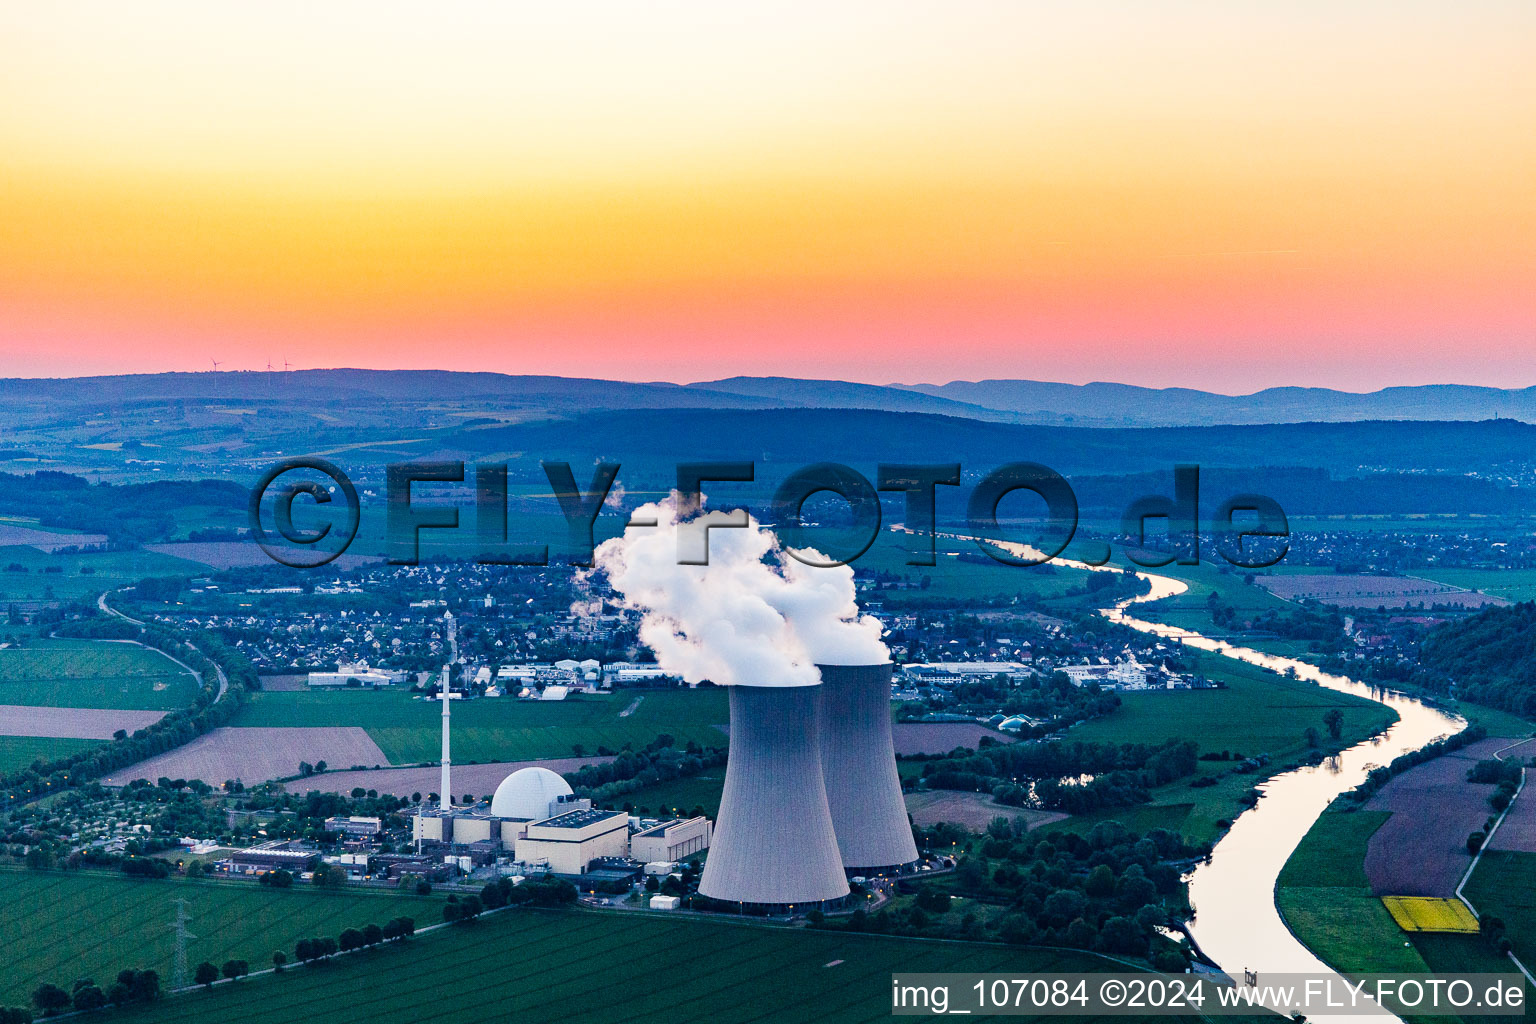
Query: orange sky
<point x="1207" y="194"/>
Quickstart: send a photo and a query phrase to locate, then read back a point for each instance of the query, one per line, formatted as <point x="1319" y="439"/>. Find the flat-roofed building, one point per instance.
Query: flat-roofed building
<point x="354" y="826"/>
<point x="671" y="840"/>
<point x="568" y="842"/>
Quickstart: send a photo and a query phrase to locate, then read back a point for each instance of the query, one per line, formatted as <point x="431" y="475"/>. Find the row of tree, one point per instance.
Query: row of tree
<point x="131" y="986"/>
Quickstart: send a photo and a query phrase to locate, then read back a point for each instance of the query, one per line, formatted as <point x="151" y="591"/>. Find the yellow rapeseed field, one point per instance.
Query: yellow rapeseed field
<point x="1430" y="914"/>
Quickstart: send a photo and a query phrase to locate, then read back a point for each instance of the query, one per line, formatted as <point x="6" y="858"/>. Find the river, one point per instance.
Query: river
<point x="1236" y="922"/>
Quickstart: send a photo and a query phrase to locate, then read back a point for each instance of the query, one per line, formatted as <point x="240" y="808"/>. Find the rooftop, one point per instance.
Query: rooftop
<point x="580" y="819"/>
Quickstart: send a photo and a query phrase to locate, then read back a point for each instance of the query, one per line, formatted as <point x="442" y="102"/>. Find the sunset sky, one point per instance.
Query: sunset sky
<point x="1210" y="194"/>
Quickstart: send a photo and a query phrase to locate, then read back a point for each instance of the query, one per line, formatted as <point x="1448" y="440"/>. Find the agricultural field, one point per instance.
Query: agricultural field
<point x="1351" y="591"/>
<point x="1509" y="584"/>
<point x="93" y="674"/>
<point x="72" y="723"/>
<point x="1504" y="884"/>
<point x="254" y="755"/>
<point x="681" y="795"/>
<point x="477" y="779"/>
<point x="18" y="752"/>
<point x="600" y="967"/>
<point x="501" y="729"/>
<point x="28" y="574"/>
<point x="974" y="811"/>
<point x="57" y="926"/>
<point x="1327" y="902"/>
<point x="1421" y="850"/>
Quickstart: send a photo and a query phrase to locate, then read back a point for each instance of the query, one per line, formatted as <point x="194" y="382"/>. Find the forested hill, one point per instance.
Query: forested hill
<point x="1490" y="657"/>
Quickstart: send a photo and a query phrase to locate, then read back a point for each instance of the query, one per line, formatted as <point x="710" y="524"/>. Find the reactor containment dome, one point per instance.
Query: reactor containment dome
<point x="528" y="793"/>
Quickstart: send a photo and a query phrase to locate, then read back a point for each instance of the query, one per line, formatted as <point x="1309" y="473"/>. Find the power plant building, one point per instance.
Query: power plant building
<point x="670" y="841"/>
<point x="858" y="761"/>
<point x="569" y="842"/>
<point x="774" y="845"/>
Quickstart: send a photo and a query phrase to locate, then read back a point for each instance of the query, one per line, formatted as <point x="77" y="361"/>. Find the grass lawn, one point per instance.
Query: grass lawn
<point x="57" y="926"/>
<point x="501" y="729"/>
<point x="1504" y="884"/>
<point x="1498" y="723"/>
<point x="20" y="751"/>
<point x="1323" y="895"/>
<point x="595" y="967"/>
<point x="93" y="674"/>
<point x="1258" y="712"/>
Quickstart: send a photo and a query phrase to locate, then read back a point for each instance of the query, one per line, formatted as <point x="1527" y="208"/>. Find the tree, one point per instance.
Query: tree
<point x="330" y="876"/>
<point x="1311" y="737"/>
<point x="236" y="969"/>
<point x="15" y="1015"/>
<point x="88" y="997"/>
<point x="50" y="999"/>
<point x="39" y="858"/>
<point x="1333" y="720"/>
<point x="351" y="939"/>
<point x="206" y="974"/>
<point x="279" y="879"/>
<point x="1475" y="841"/>
<point x="279" y="960"/>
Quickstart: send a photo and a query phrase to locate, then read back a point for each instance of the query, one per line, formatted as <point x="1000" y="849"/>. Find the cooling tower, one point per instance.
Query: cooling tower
<point x="858" y="761"/>
<point x="773" y="842"/>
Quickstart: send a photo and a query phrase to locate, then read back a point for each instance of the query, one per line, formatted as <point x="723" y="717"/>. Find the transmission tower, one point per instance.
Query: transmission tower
<point x="181" y="974"/>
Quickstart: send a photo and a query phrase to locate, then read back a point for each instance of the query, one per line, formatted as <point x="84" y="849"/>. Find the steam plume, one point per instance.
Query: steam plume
<point x="752" y="616"/>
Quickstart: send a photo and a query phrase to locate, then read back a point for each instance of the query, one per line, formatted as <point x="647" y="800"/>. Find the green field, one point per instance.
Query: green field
<point x="1511" y="584"/>
<point x="595" y="967"/>
<point x="93" y="674"/>
<point x="1324" y="896"/>
<point x="1258" y="712"/>
<point x="57" y="926"/>
<point x="76" y="576"/>
<point x="501" y="729"/>
<point x="681" y="795"/>
<point x="20" y="751"/>
<point x="1504" y="884"/>
<point x="1327" y="902"/>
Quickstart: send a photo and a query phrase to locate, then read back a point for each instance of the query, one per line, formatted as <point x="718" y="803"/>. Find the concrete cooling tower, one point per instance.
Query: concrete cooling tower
<point x="773" y="842"/>
<point x="858" y="761"/>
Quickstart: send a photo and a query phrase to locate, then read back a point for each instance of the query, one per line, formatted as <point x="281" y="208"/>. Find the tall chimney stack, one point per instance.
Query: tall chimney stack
<point x="858" y="761"/>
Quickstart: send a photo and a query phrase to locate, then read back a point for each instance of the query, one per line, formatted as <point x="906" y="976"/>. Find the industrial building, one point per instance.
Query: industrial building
<point x="569" y="842"/>
<point x="352" y="674"/>
<point x="858" y="761"/>
<point x="527" y="795"/>
<point x="774" y="846"/>
<point x="354" y="826"/>
<point x="672" y="840"/>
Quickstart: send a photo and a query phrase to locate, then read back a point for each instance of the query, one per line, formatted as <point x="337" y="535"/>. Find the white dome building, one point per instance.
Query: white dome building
<point x="530" y="794"/>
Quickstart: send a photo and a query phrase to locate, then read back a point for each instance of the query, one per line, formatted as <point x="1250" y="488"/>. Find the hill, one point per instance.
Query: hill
<point x="1489" y="657"/>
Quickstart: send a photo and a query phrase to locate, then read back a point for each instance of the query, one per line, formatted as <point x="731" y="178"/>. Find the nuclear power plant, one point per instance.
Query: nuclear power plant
<point x="774" y="845"/>
<point x="858" y="763"/>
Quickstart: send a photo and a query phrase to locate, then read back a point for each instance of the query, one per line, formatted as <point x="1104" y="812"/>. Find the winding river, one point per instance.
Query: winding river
<point x="1236" y="921"/>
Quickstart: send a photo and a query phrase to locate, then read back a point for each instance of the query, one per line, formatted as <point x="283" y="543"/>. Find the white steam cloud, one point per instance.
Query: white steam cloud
<point x="753" y="616"/>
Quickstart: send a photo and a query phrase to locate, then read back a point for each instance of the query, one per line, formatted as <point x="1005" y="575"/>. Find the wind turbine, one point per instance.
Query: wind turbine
<point x="215" y="363"/>
<point x="285" y="365"/>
